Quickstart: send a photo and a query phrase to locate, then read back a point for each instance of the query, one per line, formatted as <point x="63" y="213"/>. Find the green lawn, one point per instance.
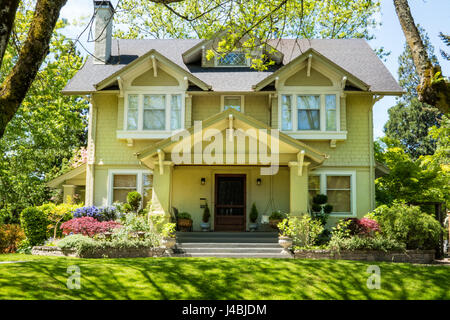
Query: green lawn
<point x="210" y="278"/>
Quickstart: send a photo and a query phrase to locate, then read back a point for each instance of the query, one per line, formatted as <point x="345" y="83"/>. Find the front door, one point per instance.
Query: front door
<point x="229" y="211"/>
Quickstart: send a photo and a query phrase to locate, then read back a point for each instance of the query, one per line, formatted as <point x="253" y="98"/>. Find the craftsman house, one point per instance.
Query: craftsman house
<point x="183" y="130"/>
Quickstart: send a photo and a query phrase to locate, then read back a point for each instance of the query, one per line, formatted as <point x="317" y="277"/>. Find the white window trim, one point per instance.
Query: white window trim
<point x="139" y="180"/>
<point x="323" y="188"/>
<point x="323" y="124"/>
<point x="222" y="101"/>
<point x="140" y="129"/>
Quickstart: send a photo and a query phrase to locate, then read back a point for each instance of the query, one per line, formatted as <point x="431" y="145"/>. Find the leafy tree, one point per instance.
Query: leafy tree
<point x="47" y="128"/>
<point x="446" y="39"/>
<point x="410" y="180"/>
<point x="410" y="120"/>
<point x="250" y="23"/>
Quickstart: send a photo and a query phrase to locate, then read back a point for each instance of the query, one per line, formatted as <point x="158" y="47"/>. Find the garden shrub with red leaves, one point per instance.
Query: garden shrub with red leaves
<point x="364" y="226"/>
<point x="10" y="237"/>
<point x="88" y="226"/>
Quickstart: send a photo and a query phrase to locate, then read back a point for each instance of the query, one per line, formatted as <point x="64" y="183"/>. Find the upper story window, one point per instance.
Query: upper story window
<point x="233" y="102"/>
<point x="309" y="112"/>
<point x="233" y="59"/>
<point x="154" y="112"/>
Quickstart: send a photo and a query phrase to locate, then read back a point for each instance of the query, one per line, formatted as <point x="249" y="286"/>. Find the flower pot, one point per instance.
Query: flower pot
<point x="205" y="226"/>
<point x="285" y="242"/>
<point x="168" y="242"/>
<point x="185" y="224"/>
<point x="253" y="226"/>
<point x="274" y="222"/>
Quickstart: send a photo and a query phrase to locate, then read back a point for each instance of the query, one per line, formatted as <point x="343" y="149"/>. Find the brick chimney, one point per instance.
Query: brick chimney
<point x="104" y="12"/>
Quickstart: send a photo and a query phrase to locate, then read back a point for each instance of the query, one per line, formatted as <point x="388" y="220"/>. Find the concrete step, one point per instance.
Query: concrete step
<point x="228" y="234"/>
<point x="230" y="250"/>
<point x="236" y="255"/>
<point x="227" y="245"/>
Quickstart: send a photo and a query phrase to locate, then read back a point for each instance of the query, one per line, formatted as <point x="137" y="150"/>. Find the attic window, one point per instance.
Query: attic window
<point x="233" y="59"/>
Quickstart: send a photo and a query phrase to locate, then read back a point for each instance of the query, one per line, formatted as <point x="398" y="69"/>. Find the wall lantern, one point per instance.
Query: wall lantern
<point x="202" y="181"/>
<point x="258" y="181"/>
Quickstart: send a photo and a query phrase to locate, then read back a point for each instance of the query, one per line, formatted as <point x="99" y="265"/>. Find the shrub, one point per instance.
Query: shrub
<point x="377" y="242"/>
<point x="320" y="208"/>
<point x="408" y="225"/>
<point x="76" y="241"/>
<point x="10" y="237"/>
<point x="134" y="200"/>
<point x="34" y="223"/>
<point x="88" y="226"/>
<point x="168" y="230"/>
<point x="277" y="215"/>
<point x="303" y="230"/>
<point x="184" y="215"/>
<point x="99" y="213"/>
<point x="206" y="214"/>
<point x="57" y="214"/>
<point x="364" y="226"/>
<point x="253" y="213"/>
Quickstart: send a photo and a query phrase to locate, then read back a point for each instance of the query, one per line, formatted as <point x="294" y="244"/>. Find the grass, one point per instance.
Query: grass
<point x="211" y="278"/>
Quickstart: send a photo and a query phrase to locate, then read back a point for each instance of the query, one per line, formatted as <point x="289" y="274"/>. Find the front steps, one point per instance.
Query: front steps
<point x="229" y="245"/>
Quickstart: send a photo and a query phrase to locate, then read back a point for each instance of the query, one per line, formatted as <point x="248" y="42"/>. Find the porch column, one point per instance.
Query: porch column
<point x="298" y="194"/>
<point x="162" y="188"/>
<point x="69" y="192"/>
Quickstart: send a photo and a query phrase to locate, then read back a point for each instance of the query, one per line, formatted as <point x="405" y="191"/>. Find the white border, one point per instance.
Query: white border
<point x="139" y="180"/>
<point x="323" y="173"/>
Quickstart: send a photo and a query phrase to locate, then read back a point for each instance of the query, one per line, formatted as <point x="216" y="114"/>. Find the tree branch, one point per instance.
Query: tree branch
<point x="8" y="9"/>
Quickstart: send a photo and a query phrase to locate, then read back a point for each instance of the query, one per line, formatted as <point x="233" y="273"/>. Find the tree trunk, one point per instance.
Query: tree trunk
<point x="35" y="48"/>
<point x="433" y="89"/>
<point x="8" y="9"/>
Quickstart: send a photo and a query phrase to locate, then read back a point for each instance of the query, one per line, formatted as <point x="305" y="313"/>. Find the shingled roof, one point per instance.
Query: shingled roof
<point x="353" y="55"/>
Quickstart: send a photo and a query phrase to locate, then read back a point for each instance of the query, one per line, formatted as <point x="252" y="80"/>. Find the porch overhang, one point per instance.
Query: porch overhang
<point x="230" y="122"/>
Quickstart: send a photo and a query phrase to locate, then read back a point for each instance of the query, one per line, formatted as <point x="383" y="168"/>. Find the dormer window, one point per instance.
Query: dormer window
<point x="232" y="59"/>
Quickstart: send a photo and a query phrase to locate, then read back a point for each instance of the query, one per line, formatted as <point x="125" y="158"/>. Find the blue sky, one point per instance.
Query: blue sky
<point x="433" y="15"/>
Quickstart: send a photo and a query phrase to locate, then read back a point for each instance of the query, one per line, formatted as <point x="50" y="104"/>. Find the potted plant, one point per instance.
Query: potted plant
<point x="168" y="240"/>
<point x="253" y="217"/>
<point x="205" y="225"/>
<point x="184" y="221"/>
<point x="285" y="235"/>
<point x="275" y="218"/>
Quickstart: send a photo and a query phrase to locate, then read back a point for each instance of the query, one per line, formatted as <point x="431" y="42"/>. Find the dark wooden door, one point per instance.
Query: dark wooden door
<point x="229" y="211"/>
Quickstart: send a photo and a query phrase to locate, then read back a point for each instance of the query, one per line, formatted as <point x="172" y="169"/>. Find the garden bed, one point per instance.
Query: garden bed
<point x="100" y="253"/>
<point x="410" y="256"/>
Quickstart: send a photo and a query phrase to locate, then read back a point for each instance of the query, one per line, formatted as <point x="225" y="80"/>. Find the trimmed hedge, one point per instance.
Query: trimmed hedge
<point x="34" y="223"/>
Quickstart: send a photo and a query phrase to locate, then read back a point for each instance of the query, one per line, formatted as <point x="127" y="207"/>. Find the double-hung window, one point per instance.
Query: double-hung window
<point x="154" y="112"/>
<point x="338" y="186"/>
<point x="126" y="181"/>
<point x="309" y="112"/>
<point x="233" y="102"/>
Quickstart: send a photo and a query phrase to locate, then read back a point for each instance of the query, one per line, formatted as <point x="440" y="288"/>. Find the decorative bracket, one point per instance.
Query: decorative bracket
<point x="155" y="66"/>
<point x="308" y="70"/>
<point x="161" y="157"/>
<point x="120" y="82"/>
<point x="130" y="142"/>
<point x="230" y="127"/>
<point x="277" y="79"/>
<point x="300" y="158"/>
<point x="333" y="143"/>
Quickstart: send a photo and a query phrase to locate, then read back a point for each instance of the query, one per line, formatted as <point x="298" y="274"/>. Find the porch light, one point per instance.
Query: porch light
<point x="258" y="181"/>
<point x="202" y="181"/>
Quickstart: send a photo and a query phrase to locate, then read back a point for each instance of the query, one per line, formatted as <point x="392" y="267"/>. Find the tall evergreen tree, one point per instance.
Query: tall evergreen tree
<point x="410" y="119"/>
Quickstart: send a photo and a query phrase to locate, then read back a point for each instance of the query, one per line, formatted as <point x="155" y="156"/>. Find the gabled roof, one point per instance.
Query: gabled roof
<point x="354" y="56"/>
<point x="54" y="183"/>
<point x="310" y="152"/>
<point x="316" y="56"/>
<point x="112" y="78"/>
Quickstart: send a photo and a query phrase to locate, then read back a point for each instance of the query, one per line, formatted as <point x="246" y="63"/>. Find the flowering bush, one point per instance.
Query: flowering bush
<point x="100" y="214"/>
<point x="363" y="227"/>
<point x="88" y="226"/>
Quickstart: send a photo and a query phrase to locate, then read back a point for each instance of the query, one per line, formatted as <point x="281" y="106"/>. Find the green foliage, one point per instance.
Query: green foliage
<point x="277" y="215"/>
<point x="377" y="242"/>
<point x="303" y="230"/>
<point x="134" y="200"/>
<point x="410" y="180"/>
<point x="168" y="230"/>
<point x="47" y="128"/>
<point x="253" y="213"/>
<point x="250" y="23"/>
<point x="408" y="225"/>
<point x="184" y="215"/>
<point x="320" y="208"/>
<point x="34" y="223"/>
<point x="206" y="214"/>
<point x="56" y="215"/>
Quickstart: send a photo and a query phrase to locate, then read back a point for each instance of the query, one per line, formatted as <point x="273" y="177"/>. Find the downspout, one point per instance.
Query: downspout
<point x="372" y="154"/>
